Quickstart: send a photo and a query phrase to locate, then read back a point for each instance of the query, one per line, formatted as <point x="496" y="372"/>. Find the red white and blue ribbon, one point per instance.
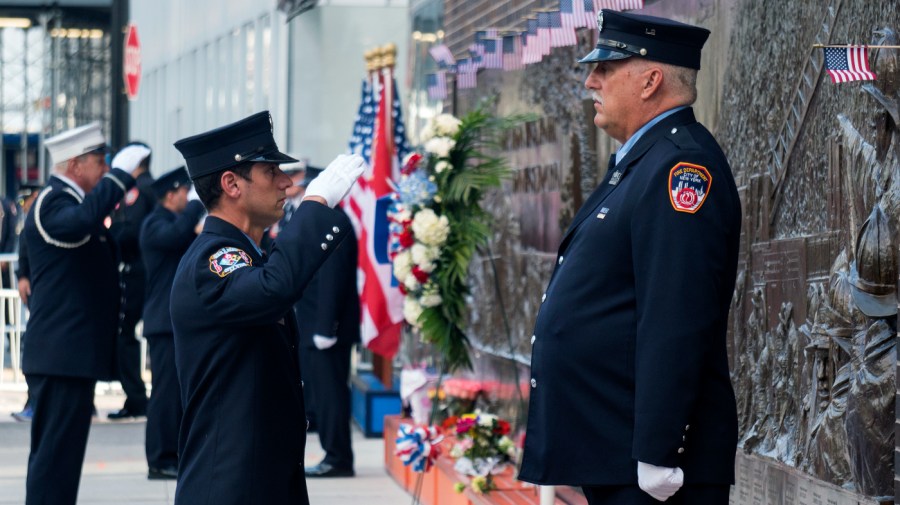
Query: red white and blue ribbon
<point x="418" y="446"/>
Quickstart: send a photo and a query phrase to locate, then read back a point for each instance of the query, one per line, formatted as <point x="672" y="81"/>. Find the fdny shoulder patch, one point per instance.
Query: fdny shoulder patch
<point x="131" y="196"/>
<point x="688" y="186"/>
<point x="227" y="260"/>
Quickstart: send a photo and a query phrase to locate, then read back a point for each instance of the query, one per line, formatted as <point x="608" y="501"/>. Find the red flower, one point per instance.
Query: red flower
<point x="406" y="239"/>
<point x="464" y="425"/>
<point x="419" y="274"/>
<point x="402" y="288"/>
<point x="449" y="422"/>
<point x="502" y="427"/>
<point x="411" y="164"/>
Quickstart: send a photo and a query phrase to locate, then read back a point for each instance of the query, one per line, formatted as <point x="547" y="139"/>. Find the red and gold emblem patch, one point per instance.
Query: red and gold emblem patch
<point x="688" y="186"/>
<point x="227" y="260"/>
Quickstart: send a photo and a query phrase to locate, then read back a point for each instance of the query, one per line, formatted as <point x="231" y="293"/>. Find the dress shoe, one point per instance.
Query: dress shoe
<point x="125" y="413"/>
<point x="326" y="470"/>
<point x="165" y="473"/>
<point x="24" y="416"/>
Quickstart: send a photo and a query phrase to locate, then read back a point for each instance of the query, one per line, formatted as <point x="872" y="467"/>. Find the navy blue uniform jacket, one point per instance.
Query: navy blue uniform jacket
<point x="164" y="238"/>
<point x="73" y="266"/>
<point x="236" y="356"/>
<point x="629" y="355"/>
<point x="330" y="303"/>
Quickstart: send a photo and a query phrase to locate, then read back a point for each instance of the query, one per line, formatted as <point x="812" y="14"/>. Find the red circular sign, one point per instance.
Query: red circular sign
<point x="132" y="68"/>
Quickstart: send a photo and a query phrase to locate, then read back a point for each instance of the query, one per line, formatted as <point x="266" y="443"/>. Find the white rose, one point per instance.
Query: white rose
<point x="430" y="300"/>
<point x="440" y="146"/>
<point x="430" y="229"/>
<point x="411" y="311"/>
<point x="427" y="133"/>
<point x="402" y="265"/>
<point x="402" y="216"/>
<point x="425" y="256"/>
<point x="446" y="124"/>
<point x="411" y="283"/>
<point x="441" y="166"/>
<point x="486" y="420"/>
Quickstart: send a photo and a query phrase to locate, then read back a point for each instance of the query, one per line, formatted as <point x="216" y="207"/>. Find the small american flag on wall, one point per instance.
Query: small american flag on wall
<point x="846" y="64"/>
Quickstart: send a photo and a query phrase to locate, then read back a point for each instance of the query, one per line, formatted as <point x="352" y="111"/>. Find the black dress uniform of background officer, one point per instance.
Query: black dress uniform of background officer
<point x="235" y="332"/>
<point x="328" y="312"/>
<point x="74" y="308"/>
<point x="125" y="228"/>
<point x="629" y="358"/>
<point x="165" y="236"/>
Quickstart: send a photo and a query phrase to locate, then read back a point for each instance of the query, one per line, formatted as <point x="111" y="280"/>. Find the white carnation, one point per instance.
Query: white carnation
<point x="486" y="420"/>
<point x="430" y="300"/>
<point x="446" y="124"/>
<point x="441" y="166"/>
<point x="402" y="215"/>
<point x="411" y="311"/>
<point x="430" y="229"/>
<point x="411" y="283"/>
<point x="425" y="256"/>
<point x="427" y="133"/>
<point x="402" y="266"/>
<point x="440" y="146"/>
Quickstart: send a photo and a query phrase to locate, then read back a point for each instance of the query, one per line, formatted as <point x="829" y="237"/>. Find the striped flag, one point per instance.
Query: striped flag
<point x="361" y="139"/>
<point x="476" y="57"/>
<point x="437" y="85"/>
<point x="567" y="16"/>
<point x="532" y="48"/>
<point x="577" y="12"/>
<point x="562" y="35"/>
<point x="493" y="56"/>
<point x="512" y="52"/>
<point x="442" y="55"/>
<point x="381" y="303"/>
<point x="620" y="5"/>
<point x="589" y="11"/>
<point x="544" y="32"/>
<point x="467" y="71"/>
<point x="845" y="64"/>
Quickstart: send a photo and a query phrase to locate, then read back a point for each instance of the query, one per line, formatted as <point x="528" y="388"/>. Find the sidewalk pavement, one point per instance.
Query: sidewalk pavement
<point x="115" y="469"/>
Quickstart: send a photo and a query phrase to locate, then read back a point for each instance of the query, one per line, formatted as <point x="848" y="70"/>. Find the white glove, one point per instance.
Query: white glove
<point x="130" y="157"/>
<point x="322" y="342"/>
<point x="335" y="181"/>
<point x="658" y="481"/>
<point x="192" y="194"/>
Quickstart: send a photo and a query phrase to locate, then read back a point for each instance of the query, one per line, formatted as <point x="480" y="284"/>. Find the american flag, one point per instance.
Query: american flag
<point x="544" y="32"/>
<point x="589" y="11"/>
<point x="381" y="303"/>
<point x="562" y="35"/>
<point x="442" y="55"/>
<point x="437" y="85"/>
<point x="846" y="64"/>
<point x="512" y="52"/>
<point x="532" y="48"/>
<point x="577" y="12"/>
<point x="476" y="56"/>
<point x="620" y="5"/>
<point x="361" y="139"/>
<point x="465" y="74"/>
<point x="567" y="15"/>
<point x="493" y="57"/>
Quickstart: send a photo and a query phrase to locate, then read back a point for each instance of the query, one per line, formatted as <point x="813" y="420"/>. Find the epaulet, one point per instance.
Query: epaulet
<point x="682" y="138"/>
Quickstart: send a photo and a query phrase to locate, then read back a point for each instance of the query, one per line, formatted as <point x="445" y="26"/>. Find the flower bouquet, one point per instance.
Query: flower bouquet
<point x="436" y="224"/>
<point x="483" y="448"/>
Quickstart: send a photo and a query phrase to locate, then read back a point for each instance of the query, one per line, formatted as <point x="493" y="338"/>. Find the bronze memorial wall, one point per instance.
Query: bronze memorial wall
<point x="817" y="164"/>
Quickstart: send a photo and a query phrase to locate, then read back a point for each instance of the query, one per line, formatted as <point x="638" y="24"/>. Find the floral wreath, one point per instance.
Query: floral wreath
<point x="436" y="224"/>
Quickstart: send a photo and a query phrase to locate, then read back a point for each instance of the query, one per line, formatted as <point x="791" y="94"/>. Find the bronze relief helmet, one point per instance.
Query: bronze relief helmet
<point x="873" y="276"/>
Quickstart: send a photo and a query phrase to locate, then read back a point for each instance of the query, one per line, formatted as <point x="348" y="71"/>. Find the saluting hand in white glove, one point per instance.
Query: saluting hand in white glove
<point x="335" y="181"/>
<point x="130" y="157"/>
<point x="658" y="481"/>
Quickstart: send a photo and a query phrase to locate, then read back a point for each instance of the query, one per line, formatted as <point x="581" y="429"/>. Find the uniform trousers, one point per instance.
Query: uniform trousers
<point x="59" y="434"/>
<point x="164" y="409"/>
<point x="327" y="377"/>
<point x="633" y="495"/>
<point x="128" y="348"/>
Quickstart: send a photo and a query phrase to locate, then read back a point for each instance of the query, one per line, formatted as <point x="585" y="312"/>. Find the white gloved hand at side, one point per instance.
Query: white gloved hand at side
<point x="658" y="481"/>
<point x="130" y="157"/>
<point x="322" y="342"/>
<point x="335" y="181"/>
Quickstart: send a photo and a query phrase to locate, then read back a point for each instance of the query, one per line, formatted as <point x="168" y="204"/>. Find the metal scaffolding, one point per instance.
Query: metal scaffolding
<point x="54" y="75"/>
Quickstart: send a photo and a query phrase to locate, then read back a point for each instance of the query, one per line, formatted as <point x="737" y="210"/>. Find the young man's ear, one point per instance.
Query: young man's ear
<point x="229" y="183"/>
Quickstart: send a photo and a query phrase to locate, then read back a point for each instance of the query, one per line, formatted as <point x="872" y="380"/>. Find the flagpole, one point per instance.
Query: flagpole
<point x="854" y="45"/>
<point x="388" y="59"/>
